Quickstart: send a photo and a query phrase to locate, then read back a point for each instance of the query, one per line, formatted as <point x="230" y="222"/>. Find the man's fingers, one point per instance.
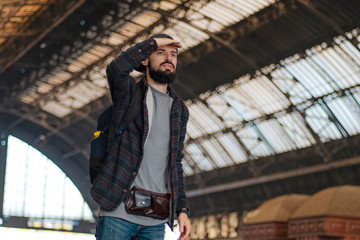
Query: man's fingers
<point x="184" y="234"/>
<point x="181" y="227"/>
<point x="167" y="41"/>
<point x="184" y="230"/>
<point x="177" y="44"/>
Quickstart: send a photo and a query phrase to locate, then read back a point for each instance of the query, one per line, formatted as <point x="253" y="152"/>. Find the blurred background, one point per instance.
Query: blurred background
<point x="273" y="89"/>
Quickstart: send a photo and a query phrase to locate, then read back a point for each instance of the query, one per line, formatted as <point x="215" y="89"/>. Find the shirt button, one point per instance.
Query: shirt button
<point x="134" y="173"/>
<point x="125" y="190"/>
<point x="139" y="50"/>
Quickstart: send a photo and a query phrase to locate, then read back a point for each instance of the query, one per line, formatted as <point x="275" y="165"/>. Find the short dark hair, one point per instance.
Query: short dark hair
<point x="142" y="68"/>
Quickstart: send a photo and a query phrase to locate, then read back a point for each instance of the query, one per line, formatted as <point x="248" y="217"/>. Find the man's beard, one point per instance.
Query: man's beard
<point x="162" y="76"/>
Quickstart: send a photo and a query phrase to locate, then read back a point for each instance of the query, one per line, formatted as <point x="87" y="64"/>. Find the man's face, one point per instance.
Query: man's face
<point x="162" y="64"/>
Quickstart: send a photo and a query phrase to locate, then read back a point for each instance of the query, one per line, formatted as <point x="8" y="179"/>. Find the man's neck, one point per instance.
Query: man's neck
<point x="161" y="87"/>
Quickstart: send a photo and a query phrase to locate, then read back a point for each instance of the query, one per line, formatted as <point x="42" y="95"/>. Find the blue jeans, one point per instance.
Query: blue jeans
<point x="110" y="228"/>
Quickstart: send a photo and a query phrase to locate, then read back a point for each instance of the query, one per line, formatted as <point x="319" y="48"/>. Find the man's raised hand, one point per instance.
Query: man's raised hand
<point x="167" y="42"/>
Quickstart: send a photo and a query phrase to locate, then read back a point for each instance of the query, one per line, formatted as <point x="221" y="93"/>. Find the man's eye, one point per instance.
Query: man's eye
<point x="161" y="53"/>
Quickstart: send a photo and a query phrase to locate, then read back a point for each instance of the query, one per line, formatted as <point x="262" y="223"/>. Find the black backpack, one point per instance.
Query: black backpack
<point x="98" y="144"/>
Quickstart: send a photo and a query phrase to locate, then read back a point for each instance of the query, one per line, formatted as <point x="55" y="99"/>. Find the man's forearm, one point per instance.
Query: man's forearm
<point x="128" y="60"/>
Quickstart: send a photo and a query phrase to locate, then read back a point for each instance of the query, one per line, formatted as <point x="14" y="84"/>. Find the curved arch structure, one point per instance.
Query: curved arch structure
<point x="60" y="150"/>
<point x="273" y="90"/>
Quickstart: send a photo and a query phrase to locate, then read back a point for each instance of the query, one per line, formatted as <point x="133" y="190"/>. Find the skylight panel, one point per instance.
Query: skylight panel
<point x="27" y="10"/>
<point x="101" y="81"/>
<point x="190" y="36"/>
<point x="204" y="23"/>
<point x="100" y="51"/>
<point x="167" y="5"/>
<point x="258" y="95"/>
<point x="44" y="88"/>
<point x="29" y="96"/>
<point x="74" y="98"/>
<point x="27" y="99"/>
<point x="233" y="147"/>
<point x="349" y="48"/>
<point x="217" y="153"/>
<point x="147" y="18"/>
<point x="56" y="109"/>
<point x="206" y="119"/>
<point x="250" y="6"/>
<point x="331" y="63"/>
<point x="351" y="66"/>
<point x="316" y="86"/>
<point x="219" y="13"/>
<point x="356" y="94"/>
<point x="197" y="154"/>
<point x="249" y="135"/>
<point x="76" y="66"/>
<point x="242" y="103"/>
<point x="289" y="85"/>
<point x="84" y="92"/>
<point x="224" y="109"/>
<point x="115" y="39"/>
<point x="278" y="138"/>
<point x="58" y="78"/>
<point x="294" y="125"/>
<point x="188" y="169"/>
<point x="342" y="109"/>
<point x="236" y="6"/>
<point x="194" y="130"/>
<point x="130" y="29"/>
<point x="320" y="123"/>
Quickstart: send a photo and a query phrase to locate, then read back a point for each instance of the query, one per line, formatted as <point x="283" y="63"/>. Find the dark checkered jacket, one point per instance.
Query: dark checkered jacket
<point x="125" y="154"/>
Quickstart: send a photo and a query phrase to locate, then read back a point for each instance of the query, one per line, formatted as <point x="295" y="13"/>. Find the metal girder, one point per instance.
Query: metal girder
<point x="310" y="4"/>
<point x="76" y="116"/>
<point x="3" y="154"/>
<point x="7" y="2"/>
<point x="320" y="147"/>
<point x="302" y="171"/>
<point x="23" y="223"/>
<point x="66" y="53"/>
<point x="273" y="177"/>
<point x="228" y="36"/>
<point x="52" y="125"/>
<point x="18" y="48"/>
<point x="83" y="74"/>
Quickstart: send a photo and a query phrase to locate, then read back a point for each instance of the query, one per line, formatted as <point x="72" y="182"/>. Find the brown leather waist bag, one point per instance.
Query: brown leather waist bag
<point x="147" y="203"/>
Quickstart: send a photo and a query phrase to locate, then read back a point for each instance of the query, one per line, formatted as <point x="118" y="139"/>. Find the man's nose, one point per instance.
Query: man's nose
<point x="168" y="58"/>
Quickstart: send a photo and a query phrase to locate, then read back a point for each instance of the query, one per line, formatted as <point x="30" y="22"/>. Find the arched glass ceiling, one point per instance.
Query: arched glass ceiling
<point x="36" y="188"/>
<point x="80" y="77"/>
<point x="305" y="99"/>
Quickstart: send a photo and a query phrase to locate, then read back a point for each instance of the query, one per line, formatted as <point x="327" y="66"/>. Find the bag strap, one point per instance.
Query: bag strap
<point x="133" y="109"/>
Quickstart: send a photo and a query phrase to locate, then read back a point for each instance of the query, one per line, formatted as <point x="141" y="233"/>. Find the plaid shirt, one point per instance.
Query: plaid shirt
<point x="125" y="153"/>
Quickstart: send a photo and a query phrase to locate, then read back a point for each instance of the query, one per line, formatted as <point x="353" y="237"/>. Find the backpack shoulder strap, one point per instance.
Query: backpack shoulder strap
<point x="105" y="119"/>
<point x="136" y="105"/>
<point x="133" y="109"/>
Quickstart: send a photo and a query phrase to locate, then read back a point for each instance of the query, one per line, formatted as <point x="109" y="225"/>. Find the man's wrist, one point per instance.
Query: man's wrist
<point x="184" y="210"/>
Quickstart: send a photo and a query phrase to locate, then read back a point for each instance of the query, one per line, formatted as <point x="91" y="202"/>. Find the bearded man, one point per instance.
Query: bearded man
<point x="143" y="169"/>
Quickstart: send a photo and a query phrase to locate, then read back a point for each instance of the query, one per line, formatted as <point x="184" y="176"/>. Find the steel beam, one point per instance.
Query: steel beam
<point x="3" y="154"/>
<point x="26" y="44"/>
<point x="273" y="177"/>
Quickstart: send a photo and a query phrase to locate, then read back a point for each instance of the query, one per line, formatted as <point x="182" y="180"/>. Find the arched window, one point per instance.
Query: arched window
<point x="38" y="191"/>
<point x="35" y="188"/>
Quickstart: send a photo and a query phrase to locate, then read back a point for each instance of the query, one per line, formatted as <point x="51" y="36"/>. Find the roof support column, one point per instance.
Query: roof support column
<point x="3" y="153"/>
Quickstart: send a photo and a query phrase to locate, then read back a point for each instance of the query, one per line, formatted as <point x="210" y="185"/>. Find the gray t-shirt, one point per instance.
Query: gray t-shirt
<point x="152" y="174"/>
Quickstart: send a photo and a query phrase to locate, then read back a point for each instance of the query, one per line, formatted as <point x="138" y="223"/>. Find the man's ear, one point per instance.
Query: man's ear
<point x="145" y="62"/>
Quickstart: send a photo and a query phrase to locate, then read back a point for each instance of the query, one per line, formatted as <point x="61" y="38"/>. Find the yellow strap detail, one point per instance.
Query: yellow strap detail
<point x="97" y="134"/>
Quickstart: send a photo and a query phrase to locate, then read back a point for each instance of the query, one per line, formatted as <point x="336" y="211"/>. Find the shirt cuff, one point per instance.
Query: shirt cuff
<point x="184" y="210"/>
